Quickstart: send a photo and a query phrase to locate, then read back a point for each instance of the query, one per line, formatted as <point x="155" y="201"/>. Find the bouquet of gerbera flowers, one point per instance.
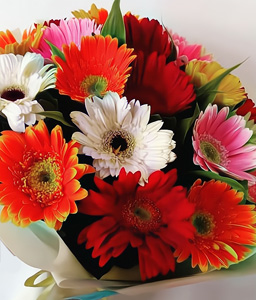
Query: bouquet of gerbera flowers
<point x="125" y="152"/>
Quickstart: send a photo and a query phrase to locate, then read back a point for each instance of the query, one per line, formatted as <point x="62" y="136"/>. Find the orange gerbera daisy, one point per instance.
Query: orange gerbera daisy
<point x="39" y="176"/>
<point x="28" y="40"/>
<point x="99" y="15"/>
<point x="224" y="228"/>
<point x="97" y="67"/>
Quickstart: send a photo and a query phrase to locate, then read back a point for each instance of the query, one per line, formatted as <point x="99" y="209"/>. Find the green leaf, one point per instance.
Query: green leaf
<point x="114" y="25"/>
<point x="173" y="55"/>
<point x="56" y="115"/>
<point x="206" y="93"/>
<point x="56" y="51"/>
<point x="47" y="100"/>
<point x="185" y="124"/>
<point x="230" y="181"/>
<point x="155" y="117"/>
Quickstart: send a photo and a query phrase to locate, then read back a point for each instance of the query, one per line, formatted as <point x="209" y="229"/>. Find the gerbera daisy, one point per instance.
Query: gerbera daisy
<point x="19" y="43"/>
<point x="230" y="90"/>
<point x="99" y="15"/>
<point x="117" y="134"/>
<point x="65" y="33"/>
<point x="163" y="86"/>
<point x="224" y="228"/>
<point x="187" y="52"/>
<point x="152" y="218"/>
<point x="221" y="144"/>
<point x="252" y="190"/>
<point x="247" y="107"/>
<point x="21" y="79"/>
<point x="39" y="176"/>
<point x="146" y="35"/>
<point x="97" y="67"/>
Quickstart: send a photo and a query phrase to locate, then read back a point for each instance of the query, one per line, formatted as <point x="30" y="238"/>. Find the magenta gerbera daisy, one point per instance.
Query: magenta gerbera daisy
<point x="221" y="143"/>
<point x="152" y="218"/>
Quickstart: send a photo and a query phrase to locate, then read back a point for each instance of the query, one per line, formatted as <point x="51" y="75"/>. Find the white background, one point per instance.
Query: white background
<point x="227" y="28"/>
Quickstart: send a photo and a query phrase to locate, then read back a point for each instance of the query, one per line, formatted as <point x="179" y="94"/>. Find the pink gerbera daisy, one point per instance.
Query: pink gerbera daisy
<point x="66" y="32"/>
<point x="221" y="144"/>
<point x="187" y="52"/>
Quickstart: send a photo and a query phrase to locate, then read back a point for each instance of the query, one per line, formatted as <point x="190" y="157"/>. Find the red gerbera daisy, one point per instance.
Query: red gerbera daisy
<point x="151" y="218"/>
<point x="97" y="67"/>
<point x="146" y="35"/>
<point x="165" y="88"/>
<point x="248" y="106"/>
<point x="224" y="228"/>
<point x="39" y="176"/>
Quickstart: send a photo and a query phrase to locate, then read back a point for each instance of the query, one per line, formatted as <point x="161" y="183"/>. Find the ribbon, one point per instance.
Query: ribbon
<point x="93" y="296"/>
<point x="30" y="282"/>
<point x="49" y="281"/>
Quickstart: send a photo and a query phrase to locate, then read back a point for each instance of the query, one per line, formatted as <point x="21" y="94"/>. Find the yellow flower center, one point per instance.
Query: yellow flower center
<point x="119" y="142"/>
<point x="203" y="222"/>
<point x="94" y="85"/>
<point x="41" y="178"/>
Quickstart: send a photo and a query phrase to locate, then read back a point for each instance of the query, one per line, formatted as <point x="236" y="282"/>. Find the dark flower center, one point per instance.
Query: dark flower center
<point x="203" y="222"/>
<point x="13" y="94"/>
<point x="119" y="142"/>
<point x="141" y="214"/>
<point x="44" y="176"/>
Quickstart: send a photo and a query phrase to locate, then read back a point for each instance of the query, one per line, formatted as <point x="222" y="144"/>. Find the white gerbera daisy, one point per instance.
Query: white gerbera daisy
<point x="21" y="79"/>
<point x="116" y="134"/>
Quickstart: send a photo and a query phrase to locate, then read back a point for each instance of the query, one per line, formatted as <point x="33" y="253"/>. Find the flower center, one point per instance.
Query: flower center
<point x="94" y="85"/>
<point x="210" y="152"/>
<point x="119" y="142"/>
<point x="213" y="150"/>
<point x="203" y="222"/>
<point x="13" y="94"/>
<point x="40" y="177"/>
<point x="141" y="214"/>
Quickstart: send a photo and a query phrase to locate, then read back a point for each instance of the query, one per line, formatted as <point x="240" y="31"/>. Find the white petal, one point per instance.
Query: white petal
<point x="14" y="117"/>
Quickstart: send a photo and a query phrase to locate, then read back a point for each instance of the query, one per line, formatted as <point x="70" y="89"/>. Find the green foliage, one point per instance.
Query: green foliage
<point x="206" y="93"/>
<point x="56" y="51"/>
<point x="241" y="186"/>
<point x="185" y="124"/>
<point x="114" y="25"/>
<point x="56" y="115"/>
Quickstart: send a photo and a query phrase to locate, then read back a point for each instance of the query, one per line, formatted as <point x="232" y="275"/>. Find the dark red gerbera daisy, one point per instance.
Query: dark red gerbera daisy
<point x="163" y="86"/>
<point x="152" y="218"/>
<point x="146" y="35"/>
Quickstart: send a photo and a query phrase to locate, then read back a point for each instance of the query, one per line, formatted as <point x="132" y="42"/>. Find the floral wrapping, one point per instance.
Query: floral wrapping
<point x="136" y="148"/>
